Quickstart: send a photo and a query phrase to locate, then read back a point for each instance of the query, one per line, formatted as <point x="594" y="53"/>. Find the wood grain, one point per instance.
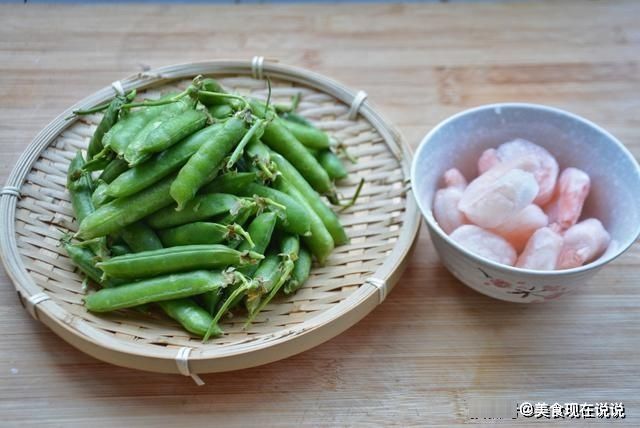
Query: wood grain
<point x="434" y="345"/>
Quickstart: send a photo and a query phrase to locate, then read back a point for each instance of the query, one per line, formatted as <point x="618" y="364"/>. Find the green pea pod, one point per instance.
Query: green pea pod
<point x="99" y="196"/>
<point x="85" y="260"/>
<point x="261" y="230"/>
<point x="192" y="317"/>
<point x="309" y="136"/>
<point x="109" y="118"/>
<point x="296" y="118"/>
<point x="212" y="85"/>
<point x="202" y="233"/>
<point x="144" y="175"/>
<point x="266" y="276"/>
<point x="165" y="135"/>
<point x="121" y="212"/>
<point x="202" y="207"/>
<point x="127" y="128"/>
<point x="301" y="271"/>
<point x="320" y="241"/>
<point x="80" y="188"/>
<point x="211" y="299"/>
<point x="120" y="249"/>
<point x="332" y="164"/>
<point x="278" y="137"/>
<point x="294" y="218"/>
<point x="221" y="111"/>
<point x="272" y="279"/>
<point x="326" y="214"/>
<point x="231" y="180"/>
<point x="204" y="165"/>
<point x="163" y="288"/>
<point x="140" y="237"/>
<point x="175" y="259"/>
<point x="113" y="170"/>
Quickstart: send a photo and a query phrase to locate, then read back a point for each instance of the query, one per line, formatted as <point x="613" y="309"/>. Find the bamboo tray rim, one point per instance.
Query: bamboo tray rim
<point x="254" y="352"/>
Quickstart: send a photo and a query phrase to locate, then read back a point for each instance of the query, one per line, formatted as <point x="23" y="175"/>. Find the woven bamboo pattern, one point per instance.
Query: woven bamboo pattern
<point x="375" y="226"/>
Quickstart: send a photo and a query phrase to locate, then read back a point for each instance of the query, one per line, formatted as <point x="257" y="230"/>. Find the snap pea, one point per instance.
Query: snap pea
<point x="300" y="273"/>
<point x="204" y="165"/>
<point x="99" y="196"/>
<point x="266" y="276"/>
<point x="231" y="180"/>
<point x="162" y="288"/>
<point x="326" y="214"/>
<point x="310" y="136"/>
<point x="175" y="259"/>
<point x="210" y="300"/>
<point x="202" y="233"/>
<point x="166" y="134"/>
<point x="109" y="118"/>
<point x="120" y="249"/>
<point x="274" y="278"/>
<point x="294" y="218"/>
<point x="260" y="157"/>
<point x="113" y="170"/>
<point x="144" y="175"/>
<point x="80" y="188"/>
<point x="140" y="237"/>
<point x="278" y="137"/>
<point x="202" y="207"/>
<point x="121" y="212"/>
<point x="261" y="230"/>
<point x="320" y="241"/>
<point x="332" y="164"/>
<point x="85" y="260"/>
<point x="221" y="111"/>
<point x="192" y="317"/>
<point x="295" y="117"/>
<point x="127" y="128"/>
<point x="167" y="113"/>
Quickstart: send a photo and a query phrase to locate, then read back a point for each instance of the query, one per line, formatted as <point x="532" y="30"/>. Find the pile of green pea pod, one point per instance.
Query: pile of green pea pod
<point x="202" y="201"/>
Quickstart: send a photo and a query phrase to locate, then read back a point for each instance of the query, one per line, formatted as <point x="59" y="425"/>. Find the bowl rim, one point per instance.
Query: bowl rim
<point x="435" y="228"/>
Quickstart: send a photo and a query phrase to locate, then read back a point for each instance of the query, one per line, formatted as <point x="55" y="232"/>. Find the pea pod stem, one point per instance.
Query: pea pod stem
<point x="246" y="285"/>
<point x="255" y="128"/>
<point x="354" y="198"/>
<point x="287" y="268"/>
<point x="128" y="97"/>
<point x="223" y="95"/>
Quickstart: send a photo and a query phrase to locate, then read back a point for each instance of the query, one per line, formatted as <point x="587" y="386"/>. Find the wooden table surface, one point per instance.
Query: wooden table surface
<point x="434" y="347"/>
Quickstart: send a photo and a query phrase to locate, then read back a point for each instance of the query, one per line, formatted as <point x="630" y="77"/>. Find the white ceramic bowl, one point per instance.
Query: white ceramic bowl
<point x="574" y="141"/>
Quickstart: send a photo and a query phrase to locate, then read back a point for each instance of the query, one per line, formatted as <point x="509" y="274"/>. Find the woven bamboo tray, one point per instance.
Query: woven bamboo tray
<point x="35" y="212"/>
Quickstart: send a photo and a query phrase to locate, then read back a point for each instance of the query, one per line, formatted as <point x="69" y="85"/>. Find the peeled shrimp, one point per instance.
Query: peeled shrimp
<point x="446" y="211"/>
<point x="487" y="160"/>
<point x="454" y="178"/>
<point x="583" y="243"/>
<point x="519" y="229"/>
<point x="546" y="173"/>
<point x="542" y="250"/>
<point x="485" y="244"/>
<point x="498" y="195"/>
<point x="445" y="202"/>
<point x="566" y="206"/>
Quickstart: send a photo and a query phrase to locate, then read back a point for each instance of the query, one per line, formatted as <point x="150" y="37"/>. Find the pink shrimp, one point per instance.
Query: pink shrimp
<point x="546" y="173"/>
<point x="542" y="250"/>
<point x="487" y="160"/>
<point x="583" y="243"/>
<point x="445" y="202"/>
<point x="445" y="209"/>
<point x="499" y="194"/>
<point x="454" y="178"/>
<point x="566" y="206"/>
<point x="519" y="229"/>
<point x="485" y="244"/>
